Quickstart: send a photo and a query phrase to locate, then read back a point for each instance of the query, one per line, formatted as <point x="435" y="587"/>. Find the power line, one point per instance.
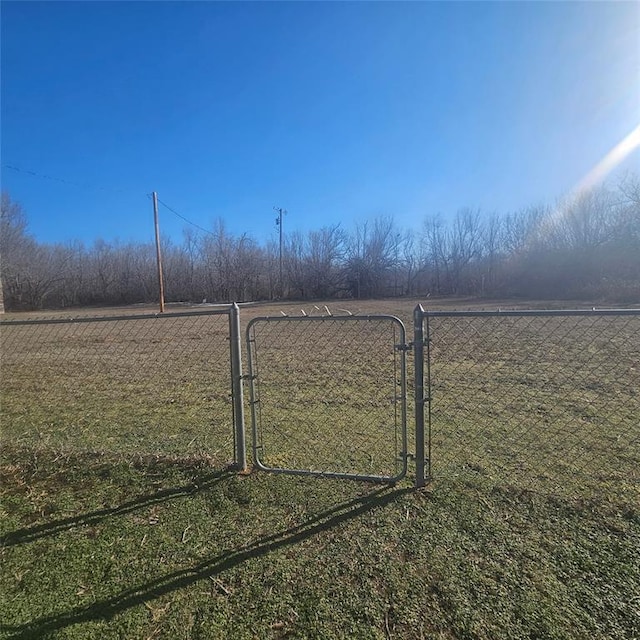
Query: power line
<point x="43" y="176"/>
<point x="81" y="185"/>
<point x="197" y="226"/>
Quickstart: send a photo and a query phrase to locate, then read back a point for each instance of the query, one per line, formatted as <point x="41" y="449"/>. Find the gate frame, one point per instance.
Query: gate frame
<point x="403" y="347"/>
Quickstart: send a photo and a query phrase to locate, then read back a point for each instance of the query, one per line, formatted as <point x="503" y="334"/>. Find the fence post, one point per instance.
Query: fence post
<point x="240" y="452"/>
<point x="418" y="351"/>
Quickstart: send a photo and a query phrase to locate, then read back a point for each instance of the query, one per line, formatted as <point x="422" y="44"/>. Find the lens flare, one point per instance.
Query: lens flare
<point x="595" y="176"/>
<point x="617" y="155"/>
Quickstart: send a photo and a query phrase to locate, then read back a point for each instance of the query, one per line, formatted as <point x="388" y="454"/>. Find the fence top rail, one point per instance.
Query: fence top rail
<point x="221" y="311"/>
<point x="527" y="313"/>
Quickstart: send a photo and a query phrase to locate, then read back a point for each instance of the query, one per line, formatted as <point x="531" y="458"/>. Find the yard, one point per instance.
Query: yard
<point x="121" y="516"/>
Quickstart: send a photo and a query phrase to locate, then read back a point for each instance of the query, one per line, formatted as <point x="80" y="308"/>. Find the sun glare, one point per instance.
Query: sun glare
<point x="595" y="176"/>
<point x="611" y="160"/>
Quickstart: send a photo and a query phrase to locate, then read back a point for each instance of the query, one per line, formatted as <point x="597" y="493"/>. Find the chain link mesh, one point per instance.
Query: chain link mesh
<point x="549" y="402"/>
<point x="148" y="385"/>
<point x="328" y="394"/>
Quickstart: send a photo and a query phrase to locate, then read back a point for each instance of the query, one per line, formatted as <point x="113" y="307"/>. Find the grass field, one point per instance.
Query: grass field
<point x="120" y="519"/>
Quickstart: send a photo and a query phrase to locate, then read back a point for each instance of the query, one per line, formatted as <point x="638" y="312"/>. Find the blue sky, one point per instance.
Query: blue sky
<point x="338" y="112"/>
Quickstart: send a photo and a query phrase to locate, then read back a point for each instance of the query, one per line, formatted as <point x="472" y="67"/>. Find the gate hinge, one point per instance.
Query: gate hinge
<point x="246" y="376"/>
<point x="404" y="347"/>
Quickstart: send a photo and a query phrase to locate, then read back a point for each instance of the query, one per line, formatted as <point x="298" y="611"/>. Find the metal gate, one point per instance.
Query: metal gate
<point x="328" y="395"/>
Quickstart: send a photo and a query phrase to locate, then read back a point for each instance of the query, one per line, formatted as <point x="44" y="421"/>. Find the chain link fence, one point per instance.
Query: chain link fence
<point x="139" y="384"/>
<point x="328" y="395"/>
<point x="537" y="400"/>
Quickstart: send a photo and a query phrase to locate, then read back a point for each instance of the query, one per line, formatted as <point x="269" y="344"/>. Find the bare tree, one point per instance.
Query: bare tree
<point x="587" y="246"/>
<point x="465" y="244"/>
<point x="30" y="272"/>
<point x="294" y="266"/>
<point x="522" y="229"/>
<point x="491" y="254"/>
<point x="585" y="221"/>
<point x="370" y="258"/>
<point x="324" y="254"/>
<point x="16" y="247"/>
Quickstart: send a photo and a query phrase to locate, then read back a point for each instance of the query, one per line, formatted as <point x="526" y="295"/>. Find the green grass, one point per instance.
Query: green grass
<point x="119" y="517"/>
<point x="105" y="548"/>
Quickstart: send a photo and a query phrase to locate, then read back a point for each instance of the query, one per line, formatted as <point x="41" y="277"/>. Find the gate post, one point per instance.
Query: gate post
<point x="418" y="346"/>
<point x="240" y="452"/>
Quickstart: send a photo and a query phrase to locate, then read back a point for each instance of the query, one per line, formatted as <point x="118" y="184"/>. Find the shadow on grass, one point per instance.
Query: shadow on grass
<point x="145" y="592"/>
<point x="30" y="534"/>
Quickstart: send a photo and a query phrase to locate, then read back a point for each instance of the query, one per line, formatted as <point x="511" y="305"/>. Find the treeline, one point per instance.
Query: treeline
<point x="586" y="248"/>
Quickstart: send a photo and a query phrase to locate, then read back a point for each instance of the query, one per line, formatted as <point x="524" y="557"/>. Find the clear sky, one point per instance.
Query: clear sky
<point x="337" y="111"/>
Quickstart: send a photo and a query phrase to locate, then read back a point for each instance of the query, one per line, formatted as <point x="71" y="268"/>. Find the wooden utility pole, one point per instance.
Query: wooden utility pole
<point x="158" y="254"/>
<point x="280" y="211"/>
